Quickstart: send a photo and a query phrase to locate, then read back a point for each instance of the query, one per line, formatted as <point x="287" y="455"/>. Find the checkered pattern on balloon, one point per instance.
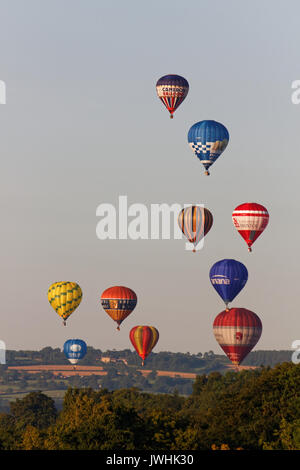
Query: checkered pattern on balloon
<point x="208" y="152"/>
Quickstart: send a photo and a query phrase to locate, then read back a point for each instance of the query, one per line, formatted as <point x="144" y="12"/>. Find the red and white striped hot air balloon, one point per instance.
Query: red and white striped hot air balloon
<point x="237" y="332"/>
<point x="250" y="220"/>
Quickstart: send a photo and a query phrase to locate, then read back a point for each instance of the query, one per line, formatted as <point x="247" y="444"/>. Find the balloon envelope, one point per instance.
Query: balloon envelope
<point x="237" y="331"/>
<point x="208" y="139"/>
<point x="74" y="350"/>
<point x="250" y="219"/>
<point x="172" y="90"/>
<point x="118" y="302"/>
<point x="228" y="277"/>
<point x="195" y="222"/>
<point x="64" y="297"/>
<point x="143" y="338"/>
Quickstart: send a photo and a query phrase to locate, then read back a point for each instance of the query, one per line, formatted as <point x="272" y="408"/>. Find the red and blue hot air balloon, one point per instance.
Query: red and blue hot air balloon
<point x="228" y="277"/>
<point x="172" y="90"/>
<point x="208" y="139"/>
<point x="118" y="302"/>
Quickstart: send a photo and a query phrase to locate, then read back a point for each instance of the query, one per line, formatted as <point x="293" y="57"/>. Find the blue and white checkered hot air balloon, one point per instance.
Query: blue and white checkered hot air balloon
<point x="208" y="139"/>
<point x="74" y="350"/>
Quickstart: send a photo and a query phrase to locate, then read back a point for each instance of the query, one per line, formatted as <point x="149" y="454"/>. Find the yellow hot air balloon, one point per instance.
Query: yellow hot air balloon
<point x="64" y="297"/>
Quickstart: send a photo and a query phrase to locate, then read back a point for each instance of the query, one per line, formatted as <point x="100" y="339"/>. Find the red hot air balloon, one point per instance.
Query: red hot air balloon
<point x="250" y="220"/>
<point x="144" y="338"/>
<point x="237" y="332"/>
<point x="195" y="222"/>
<point x="118" y="302"/>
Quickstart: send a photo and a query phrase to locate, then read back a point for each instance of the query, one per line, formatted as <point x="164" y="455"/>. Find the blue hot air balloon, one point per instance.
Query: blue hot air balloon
<point x="208" y="139"/>
<point x="228" y="277"/>
<point x="74" y="350"/>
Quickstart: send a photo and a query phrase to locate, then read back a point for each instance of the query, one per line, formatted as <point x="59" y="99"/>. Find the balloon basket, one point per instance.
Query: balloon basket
<point x="207" y="173"/>
<point x="171" y="116"/>
<point x="118" y="328"/>
<point x="249" y="249"/>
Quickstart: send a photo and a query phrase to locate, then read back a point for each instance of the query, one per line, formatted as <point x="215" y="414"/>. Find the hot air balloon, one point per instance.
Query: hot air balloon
<point x="172" y="90"/>
<point x="64" y="297"/>
<point x="118" y="302"/>
<point x="250" y="220"/>
<point x="74" y="350"/>
<point x="228" y="277"/>
<point x="208" y="139"/>
<point x="195" y="222"/>
<point x="237" y="331"/>
<point x="143" y="338"/>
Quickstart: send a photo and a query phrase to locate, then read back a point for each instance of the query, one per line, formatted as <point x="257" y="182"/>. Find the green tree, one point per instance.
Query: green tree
<point x="35" y="409"/>
<point x="32" y="439"/>
<point x="10" y="436"/>
<point x="199" y="384"/>
<point x="93" y="421"/>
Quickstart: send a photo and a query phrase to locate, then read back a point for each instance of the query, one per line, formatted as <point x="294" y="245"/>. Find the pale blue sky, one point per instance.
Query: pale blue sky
<point x="82" y="125"/>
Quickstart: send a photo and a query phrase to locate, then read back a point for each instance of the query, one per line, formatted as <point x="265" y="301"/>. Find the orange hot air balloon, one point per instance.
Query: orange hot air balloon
<point x="143" y="338"/>
<point x="237" y="331"/>
<point x="195" y="222"/>
<point x="118" y="302"/>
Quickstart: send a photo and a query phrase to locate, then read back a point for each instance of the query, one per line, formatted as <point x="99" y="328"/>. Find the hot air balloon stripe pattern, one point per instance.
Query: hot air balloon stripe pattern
<point x="172" y="90"/>
<point x="118" y="302"/>
<point x="171" y="102"/>
<point x="237" y="332"/>
<point x="64" y="297"/>
<point x="250" y="219"/>
<point x="144" y="338"/>
<point x="208" y="139"/>
<point x="195" y="222"/>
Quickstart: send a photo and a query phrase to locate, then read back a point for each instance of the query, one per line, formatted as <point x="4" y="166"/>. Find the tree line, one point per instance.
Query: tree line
<point x="163" y="360"/>
<point x="250" y="410"/>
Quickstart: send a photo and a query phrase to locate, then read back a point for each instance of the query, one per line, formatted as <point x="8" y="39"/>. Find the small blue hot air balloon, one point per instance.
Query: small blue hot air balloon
<point x="74" y="350"/>
<point x="208" y="139"/>
<point x="228" y="277"/>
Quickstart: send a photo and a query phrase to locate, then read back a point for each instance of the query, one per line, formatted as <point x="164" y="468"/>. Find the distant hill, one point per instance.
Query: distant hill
<point x="164" y="360"/>
<point x="164" y="372"/>
<point x="267" y="358"/>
